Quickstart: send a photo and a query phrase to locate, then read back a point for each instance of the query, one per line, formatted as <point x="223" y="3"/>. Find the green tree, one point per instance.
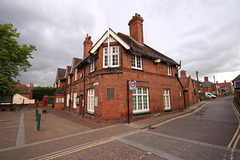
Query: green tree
<point x="13" y="58"/>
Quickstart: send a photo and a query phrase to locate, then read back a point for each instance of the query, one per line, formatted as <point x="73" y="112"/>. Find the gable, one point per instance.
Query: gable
<point x="104" y="39"/>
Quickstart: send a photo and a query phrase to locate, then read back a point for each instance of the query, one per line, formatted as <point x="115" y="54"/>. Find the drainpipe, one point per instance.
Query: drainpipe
<point x="70" y="85"/>
<point x="83" y="93"/>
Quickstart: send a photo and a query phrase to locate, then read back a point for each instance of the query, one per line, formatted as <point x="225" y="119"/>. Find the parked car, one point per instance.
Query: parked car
<point x="209" y="95"/>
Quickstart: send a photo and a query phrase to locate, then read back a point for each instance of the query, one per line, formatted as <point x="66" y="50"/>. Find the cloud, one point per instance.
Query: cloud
<point x="203" y="35"/>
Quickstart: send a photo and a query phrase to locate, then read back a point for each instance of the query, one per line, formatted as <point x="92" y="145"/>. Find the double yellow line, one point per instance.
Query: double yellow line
<point x="70" y="151"/>
<point x="236" y="135"/>
<point x="75" y="149"/>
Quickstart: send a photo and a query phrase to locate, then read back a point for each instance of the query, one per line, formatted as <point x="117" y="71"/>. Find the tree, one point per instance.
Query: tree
<point x="13" y="58"/>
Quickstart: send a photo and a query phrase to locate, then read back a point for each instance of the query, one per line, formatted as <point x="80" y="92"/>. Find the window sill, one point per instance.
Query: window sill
<point x="168" y="110"/>
<point x="144" y="112"/>
<point x="110" y="67"/>
<point x="89" y="112"/>
<point x="137" y="69"/>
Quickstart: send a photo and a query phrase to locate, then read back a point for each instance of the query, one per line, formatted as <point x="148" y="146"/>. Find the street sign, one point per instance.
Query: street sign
<point x="132" y="85"/>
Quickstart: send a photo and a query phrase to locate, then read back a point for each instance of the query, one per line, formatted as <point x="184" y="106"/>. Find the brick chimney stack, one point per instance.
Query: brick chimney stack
<point x="87" y="46"/>
<point x="206" y="78"/>
<point x="183" y="73"/>
<point x="18" y="81"/>
<point x="136" y="28"/>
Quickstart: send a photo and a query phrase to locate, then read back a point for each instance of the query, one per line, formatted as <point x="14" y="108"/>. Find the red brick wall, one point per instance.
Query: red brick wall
<point x="59" y="106"/>
<point x="154" y="77"/>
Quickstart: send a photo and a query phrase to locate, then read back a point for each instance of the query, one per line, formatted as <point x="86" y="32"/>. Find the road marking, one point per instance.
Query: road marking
<point x="21" y="132"/>
<point x="84" y="146"/>
<point x="181" y="116"/>
<point x="237" y="132"/>
<point x="235" y="137"/>
<point x="76" y="149"/>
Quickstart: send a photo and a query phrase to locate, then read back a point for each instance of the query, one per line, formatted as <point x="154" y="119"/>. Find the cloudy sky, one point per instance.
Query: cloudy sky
<point x="204" y="35"/>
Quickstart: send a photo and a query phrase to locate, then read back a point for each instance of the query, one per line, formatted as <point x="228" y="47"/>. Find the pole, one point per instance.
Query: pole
<point x="198" y="86"/>
<point x="128" y="101"/>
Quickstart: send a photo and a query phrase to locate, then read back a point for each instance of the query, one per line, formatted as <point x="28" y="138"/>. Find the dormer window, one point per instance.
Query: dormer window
<point x="136" y="61"/>
<point x="75" y="74"/>
<point x="111" y="59"/>
<point x="68" y="79"/>
<point x="169" y="69"/>
<point x="92" y="65"/>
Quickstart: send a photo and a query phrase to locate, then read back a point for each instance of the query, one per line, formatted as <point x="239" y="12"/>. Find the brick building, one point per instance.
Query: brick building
<point x="210" y="86"/>
<point x="97" y="86"/>
<point x="226" y="87"/>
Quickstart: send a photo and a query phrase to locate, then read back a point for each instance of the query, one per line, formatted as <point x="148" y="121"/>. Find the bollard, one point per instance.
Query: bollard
<point x="36" y="114"/>
<point x="38" y="121"/>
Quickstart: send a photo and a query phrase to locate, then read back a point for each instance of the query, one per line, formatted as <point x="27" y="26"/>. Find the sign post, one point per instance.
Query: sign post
<point x="131" y="85"/>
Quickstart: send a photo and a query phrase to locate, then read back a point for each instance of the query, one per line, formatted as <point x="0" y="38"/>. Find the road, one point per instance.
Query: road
<point x="206" y="134"/>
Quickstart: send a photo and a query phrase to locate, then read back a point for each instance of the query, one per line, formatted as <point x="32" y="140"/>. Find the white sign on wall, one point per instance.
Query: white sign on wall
<point x="132" y="85"/>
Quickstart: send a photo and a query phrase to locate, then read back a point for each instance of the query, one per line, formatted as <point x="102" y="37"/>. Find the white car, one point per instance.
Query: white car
<point x="209" y="95"/>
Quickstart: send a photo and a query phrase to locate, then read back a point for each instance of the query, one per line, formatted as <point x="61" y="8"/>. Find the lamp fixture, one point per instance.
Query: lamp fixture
<point x="157" y="61"/>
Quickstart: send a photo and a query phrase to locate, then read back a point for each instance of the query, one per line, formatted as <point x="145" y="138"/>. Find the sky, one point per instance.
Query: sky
<point x="203" y="35"/>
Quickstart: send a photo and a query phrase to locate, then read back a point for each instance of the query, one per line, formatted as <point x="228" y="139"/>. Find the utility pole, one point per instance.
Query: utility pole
<point x="198" y="86"/>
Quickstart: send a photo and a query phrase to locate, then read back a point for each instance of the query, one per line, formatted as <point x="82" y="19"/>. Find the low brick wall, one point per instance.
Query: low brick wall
<point x="237" y="97"/>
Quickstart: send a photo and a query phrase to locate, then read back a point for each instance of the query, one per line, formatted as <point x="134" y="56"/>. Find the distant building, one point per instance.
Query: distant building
<point x="226" y="87"/>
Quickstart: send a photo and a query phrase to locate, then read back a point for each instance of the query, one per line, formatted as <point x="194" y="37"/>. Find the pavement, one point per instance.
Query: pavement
<point x="59" y="130"/>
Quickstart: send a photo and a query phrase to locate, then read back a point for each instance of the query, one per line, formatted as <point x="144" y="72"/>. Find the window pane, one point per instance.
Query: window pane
<point x="139" y="62"/>
<point x="106" y="61"/>
<point x="145" y="102"/>
<point x="133" y="60"/>
<point x="139" y="90"/>
<point x="133" y="91"/>
<point x="134" y="103"/>
<point x="139" y="102"/>
<point x="144" y="90"/>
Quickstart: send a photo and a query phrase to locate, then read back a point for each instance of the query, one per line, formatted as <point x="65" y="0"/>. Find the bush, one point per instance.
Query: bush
<point x="39" y="92"/>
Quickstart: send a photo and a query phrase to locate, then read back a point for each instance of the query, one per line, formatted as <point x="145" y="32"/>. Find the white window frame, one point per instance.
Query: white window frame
<point x="169" y="69"/>
<point x="109" y="58"/>
<point x="167" y="99"/>
<point x="92" y="65"/>
<point x="68" y="97"/>
<point x="90" y="101"/>
<point x="68" y="79"/>
<point x="58" y="83"/>
<point x="135" y="61"/>
<point x="74" y="100"/>
<point x="75" y="77"/>
<point x="138" y="97"/>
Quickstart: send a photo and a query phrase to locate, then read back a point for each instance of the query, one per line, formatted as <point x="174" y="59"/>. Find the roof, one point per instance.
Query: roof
<point x="223" y="85"/>
<point x="185" y="82"/>
<point x="68" y="69"/>
<point x="207" y="84"/>
<point x="60" y="74"/>
<point x="75" y="61"/>
<point x="237" y="78"/>
<point x="105" y="36"/>
<point x="145" y="50"/>
<point x="59" y="91"/>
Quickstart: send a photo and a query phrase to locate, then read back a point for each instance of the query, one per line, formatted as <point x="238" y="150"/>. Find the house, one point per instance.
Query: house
<point x="60" y="91"/>
<point x="97" y="87"/>
<point x="24" y="90"/>
<point x="226" y="87"/>
<point x="210" y="87"/>
<point x="236" y="82"/>
<point x="24" y="95"/>
<point x="190" y="90"/>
